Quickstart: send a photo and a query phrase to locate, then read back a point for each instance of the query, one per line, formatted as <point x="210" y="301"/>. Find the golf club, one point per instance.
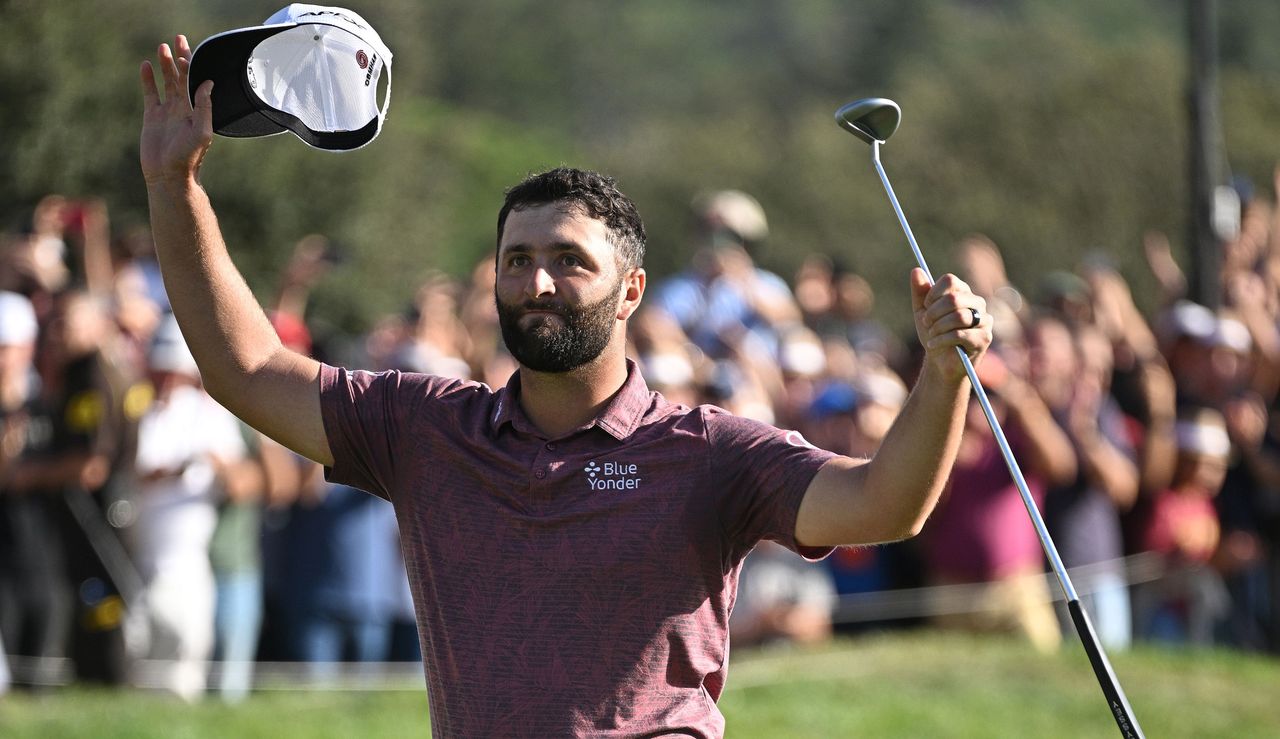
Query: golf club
<point x="874" y="120"/>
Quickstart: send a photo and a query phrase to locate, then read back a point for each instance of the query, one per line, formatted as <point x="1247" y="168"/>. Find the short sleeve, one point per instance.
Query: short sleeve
<point x="364" y="420"/>
<point x="760" y="474"/>
<point x="382" y="425"/>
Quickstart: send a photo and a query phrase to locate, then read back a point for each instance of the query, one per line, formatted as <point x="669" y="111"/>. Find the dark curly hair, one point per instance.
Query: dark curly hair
<point x="597" y="195"/>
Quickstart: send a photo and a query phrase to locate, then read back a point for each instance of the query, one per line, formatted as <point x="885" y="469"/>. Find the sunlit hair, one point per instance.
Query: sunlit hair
<point x="597" y="195"/>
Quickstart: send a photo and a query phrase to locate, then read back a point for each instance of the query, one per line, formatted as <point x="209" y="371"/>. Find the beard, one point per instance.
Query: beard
<point x="547" y="347"/>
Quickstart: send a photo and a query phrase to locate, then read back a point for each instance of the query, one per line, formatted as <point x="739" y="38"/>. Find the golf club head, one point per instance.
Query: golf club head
<point x="870" y="119"/>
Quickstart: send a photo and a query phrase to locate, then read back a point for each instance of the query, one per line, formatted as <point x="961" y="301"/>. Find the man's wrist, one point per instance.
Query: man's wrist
<point x="178" y="184"/>
<point x="937" y="375"/>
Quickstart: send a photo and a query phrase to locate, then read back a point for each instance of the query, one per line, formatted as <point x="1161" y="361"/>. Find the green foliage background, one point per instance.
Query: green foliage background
<point x="1055" y="128"/>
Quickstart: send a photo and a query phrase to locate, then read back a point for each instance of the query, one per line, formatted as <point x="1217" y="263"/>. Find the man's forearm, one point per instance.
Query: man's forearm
<point x="226" y="329"/>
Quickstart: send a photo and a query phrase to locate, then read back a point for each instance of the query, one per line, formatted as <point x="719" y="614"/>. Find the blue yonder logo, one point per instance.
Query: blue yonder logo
<point x="612" y="475"/>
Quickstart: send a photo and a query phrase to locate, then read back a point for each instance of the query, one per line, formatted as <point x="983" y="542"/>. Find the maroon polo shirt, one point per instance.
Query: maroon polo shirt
<point x="575" y="586"/>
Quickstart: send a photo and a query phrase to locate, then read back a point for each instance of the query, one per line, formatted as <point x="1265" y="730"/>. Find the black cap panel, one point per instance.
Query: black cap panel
<point x="237" y="110"/>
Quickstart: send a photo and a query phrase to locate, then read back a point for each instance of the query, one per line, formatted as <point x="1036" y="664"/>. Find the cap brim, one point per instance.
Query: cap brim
<point x="237" y="111"/>
<point x="331" y="140"/>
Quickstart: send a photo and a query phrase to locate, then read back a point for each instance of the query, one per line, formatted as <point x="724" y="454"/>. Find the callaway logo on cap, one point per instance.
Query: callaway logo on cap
<point x="309" y="69"/>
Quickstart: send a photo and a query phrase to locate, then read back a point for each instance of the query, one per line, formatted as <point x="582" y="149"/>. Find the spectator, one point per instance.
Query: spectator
<point x="1183" y="529"/>
<point x="852" y="417"/>
<point x="236" y="560"/>
<point x="733" y="385"/>
<point x="133" y="257"/>
<point x="724" y="297"/>
<point x="815" y="291"/>
<point x="781" y="599"/>
<point x="983" y="266"/>
<point x="1073" y="375"/>
<point x="837" y="303"/>
<point x="190" y="456"/>
<point x="64" y="438"/>
<point x="1207" y="354"/>
<point x="980" y="533"/>
<point x="1247" y="296"/>
<point x="489" y="359"/>
<point x="1248" y="510"/>
<point x="330" y="563"/>
<point x="665" y="355"/>
<point x="137" y="315"/>
<point x="35" y="600"/>
<point x="403" y="640"/>
<point x="80" y="432"/>
<point x="855" y="300"/>
<point x="800" y="370"/>
<point x="1141" y="382"/>
<point x="436" y="341"/>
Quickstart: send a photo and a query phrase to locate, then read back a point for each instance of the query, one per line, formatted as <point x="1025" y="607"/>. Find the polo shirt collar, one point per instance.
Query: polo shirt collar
<point x="622" y="414"/>
<point x="619" y="418"/>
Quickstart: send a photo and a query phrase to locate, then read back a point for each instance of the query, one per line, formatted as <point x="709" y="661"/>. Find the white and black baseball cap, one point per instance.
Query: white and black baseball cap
<point x="310" y="69"/>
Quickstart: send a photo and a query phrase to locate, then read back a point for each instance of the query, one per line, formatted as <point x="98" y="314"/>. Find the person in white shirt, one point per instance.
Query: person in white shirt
<point x="189" y="450"/>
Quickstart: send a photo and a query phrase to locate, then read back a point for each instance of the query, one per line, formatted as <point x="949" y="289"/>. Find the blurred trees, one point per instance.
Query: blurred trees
<point x="1057" y="129"/>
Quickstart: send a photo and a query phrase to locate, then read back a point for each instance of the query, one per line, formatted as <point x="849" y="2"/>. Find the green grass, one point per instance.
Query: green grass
<point x="956" y="686"/>
<point x="915" y="685"/>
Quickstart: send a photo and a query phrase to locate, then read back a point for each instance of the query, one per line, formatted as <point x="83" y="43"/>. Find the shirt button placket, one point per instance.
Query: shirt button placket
<point x="544" y="461"/>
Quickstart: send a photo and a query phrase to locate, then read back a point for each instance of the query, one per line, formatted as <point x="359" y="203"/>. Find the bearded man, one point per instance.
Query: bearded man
<point x="572" y="540"/>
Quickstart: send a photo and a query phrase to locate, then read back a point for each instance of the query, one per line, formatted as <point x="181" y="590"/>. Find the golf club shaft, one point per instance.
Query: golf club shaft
<point x="1116" y="699"/>
<point x="1045" y="541"/>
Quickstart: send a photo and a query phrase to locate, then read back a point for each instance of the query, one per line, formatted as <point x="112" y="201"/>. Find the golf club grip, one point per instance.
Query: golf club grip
<point x="1116" y="699"/>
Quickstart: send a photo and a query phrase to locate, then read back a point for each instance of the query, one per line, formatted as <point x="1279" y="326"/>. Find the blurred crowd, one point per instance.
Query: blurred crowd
<point x="148" y="537"/>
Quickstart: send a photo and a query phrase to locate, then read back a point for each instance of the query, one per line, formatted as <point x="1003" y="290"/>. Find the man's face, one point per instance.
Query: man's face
<point x="558" y="290"/>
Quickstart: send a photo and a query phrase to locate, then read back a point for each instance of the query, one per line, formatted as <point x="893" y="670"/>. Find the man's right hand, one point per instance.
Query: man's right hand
<point x="175" y="135"/>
